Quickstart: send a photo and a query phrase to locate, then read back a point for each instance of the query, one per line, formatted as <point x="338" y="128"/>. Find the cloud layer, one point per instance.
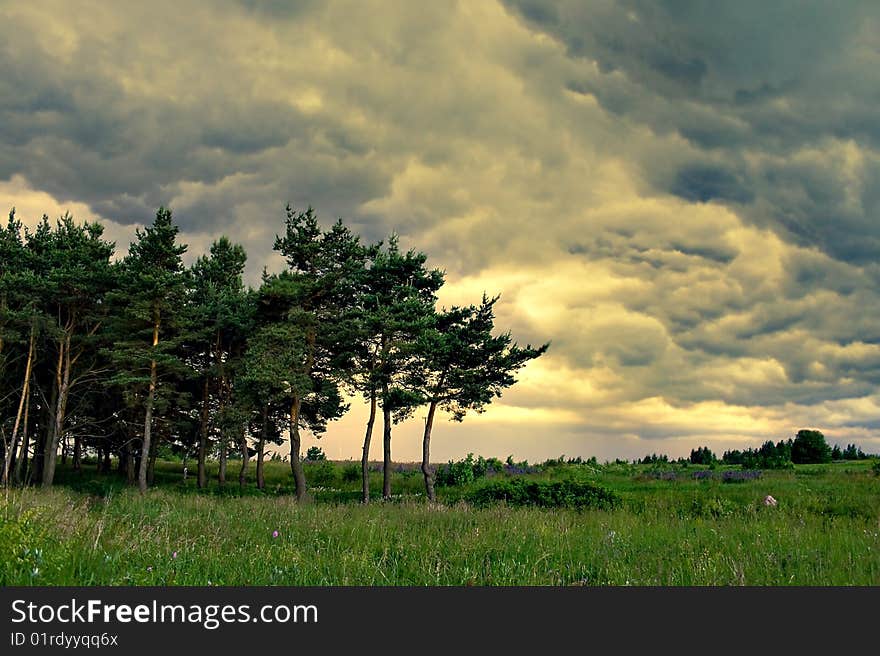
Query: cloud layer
<point x="683" y="198"/>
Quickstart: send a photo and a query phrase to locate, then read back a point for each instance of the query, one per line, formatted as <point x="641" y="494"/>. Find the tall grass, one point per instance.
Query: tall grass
<point x="825" y="531"/>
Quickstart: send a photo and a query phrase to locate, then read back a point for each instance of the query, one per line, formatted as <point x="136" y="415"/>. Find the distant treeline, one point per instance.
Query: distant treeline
<point x="807" y="447"/>
<point x="117" y="357"/>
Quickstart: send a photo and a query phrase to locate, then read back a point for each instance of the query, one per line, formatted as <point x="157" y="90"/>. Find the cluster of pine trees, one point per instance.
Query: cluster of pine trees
<point x="117" y="356"/>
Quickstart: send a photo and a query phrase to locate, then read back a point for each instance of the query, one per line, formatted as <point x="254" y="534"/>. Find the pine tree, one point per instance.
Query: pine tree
<point x="460" y="366"/>
<point x="77" y="278"/>
<point x="221" y="312"/>
<point x="21" y="322"/>
<point x="307" y="303"/>
<point x="396" y="306"/>
<point x="148" y="307"/>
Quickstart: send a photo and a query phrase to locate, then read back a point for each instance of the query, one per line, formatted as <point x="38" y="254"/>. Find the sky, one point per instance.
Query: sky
<point x="682" y="197"/>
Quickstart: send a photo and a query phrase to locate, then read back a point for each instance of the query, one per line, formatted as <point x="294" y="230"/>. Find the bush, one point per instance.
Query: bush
<point x="462" y="472"/>
<point x="351" y="473"/>
<point x="546" y="494"/>
<point x="322" y="472"/>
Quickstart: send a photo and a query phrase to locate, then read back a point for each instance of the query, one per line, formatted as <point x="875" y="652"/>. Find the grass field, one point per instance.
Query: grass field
<point x="669" y="528"/>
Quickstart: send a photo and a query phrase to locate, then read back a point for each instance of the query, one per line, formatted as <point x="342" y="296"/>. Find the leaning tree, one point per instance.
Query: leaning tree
<point x="460" y="366"/>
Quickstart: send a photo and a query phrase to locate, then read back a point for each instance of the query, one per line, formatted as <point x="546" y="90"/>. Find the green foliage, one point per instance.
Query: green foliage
<point x="351" y="473"/>
<point x="17" y="536"/>
<point x="549" y="494"/>
<point x="461" y="366"/>
<point x="30" y="555"/>
<point x="768" y="456"/>
<point x="712" y="507"/>
<point x="702" y="456"/>
<point x="322" y="472"/>
<point x="467" y="470"/>
<point x="851" y="452"/>
<point x="315" y="453"/>
<point x="151" y="293"/>
<point x="809" y="446"/>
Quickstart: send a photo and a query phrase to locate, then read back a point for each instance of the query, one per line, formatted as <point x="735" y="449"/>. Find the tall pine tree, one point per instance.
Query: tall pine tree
<point x="398" y="307"/>
<point x="318" y="287"/>
<point x="149" y="306"/>
<point x="221" y="311"/>
<point x="460" y="366"/>
<point x="78" y="277"/>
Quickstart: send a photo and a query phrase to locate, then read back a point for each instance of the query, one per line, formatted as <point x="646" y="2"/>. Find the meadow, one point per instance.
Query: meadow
<point x="669" y="526"/>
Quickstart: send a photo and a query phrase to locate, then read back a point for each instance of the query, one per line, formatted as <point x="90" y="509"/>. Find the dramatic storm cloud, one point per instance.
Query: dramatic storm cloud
<point x="683" y="197"/>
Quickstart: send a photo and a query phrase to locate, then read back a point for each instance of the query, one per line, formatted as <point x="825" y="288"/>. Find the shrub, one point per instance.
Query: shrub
<point x="467" y="470"/>
<point x="351" y="473"/>
<point x="322" y="472"/>
<point x="547" y="494"/>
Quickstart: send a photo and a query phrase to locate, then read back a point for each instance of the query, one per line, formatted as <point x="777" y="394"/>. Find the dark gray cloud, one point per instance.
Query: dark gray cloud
<point x="741" y="80"/>
<point x="82" y="128"/>
<point x="704" y="183"/>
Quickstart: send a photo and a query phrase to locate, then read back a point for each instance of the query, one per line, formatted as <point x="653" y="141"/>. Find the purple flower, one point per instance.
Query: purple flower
<point x="274" y="534"/>
<point x="174" y="555"/>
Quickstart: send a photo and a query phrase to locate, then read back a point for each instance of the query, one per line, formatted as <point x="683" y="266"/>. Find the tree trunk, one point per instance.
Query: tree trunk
<point x="221" y="470"/>
<point x="222" y="396"/>
<point x="130" y="474"/>
<point x="203" y="437"/>
<point x="245" y="458"/>
<point x="77" y="453"/>
<point x="386" y="444"/>
<point x="107" y="465"/>
<point x="296" y="467"/>
<point x="22" y="461"/>
<point x="365" y="458"/>
<point x="151" y="462"/>
<point x="299" y="477"/>
<point x="148" y="419"/>
<point x="45" y="423"/>
<point x="62" y="379"/>
<point x="25" y="391"/>
<point x="261" y="483"/>
<point x="427" y="471"/>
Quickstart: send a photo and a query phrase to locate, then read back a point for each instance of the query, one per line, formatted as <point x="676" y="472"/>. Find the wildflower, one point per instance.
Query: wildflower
<point x="149" y="568"/>
<point x="174" y="555"/>
<point x="769" y="501"/>
<point x="274" y="534"/>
